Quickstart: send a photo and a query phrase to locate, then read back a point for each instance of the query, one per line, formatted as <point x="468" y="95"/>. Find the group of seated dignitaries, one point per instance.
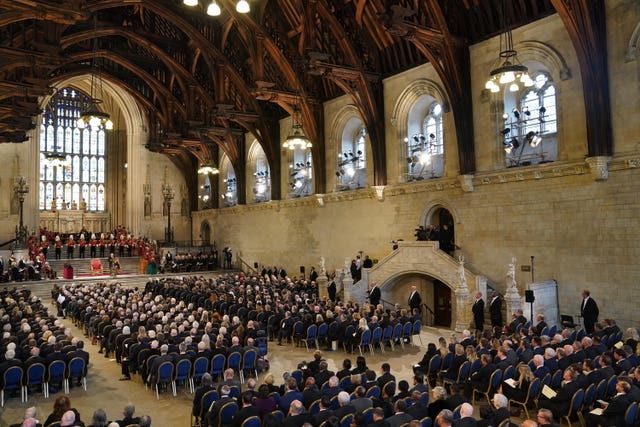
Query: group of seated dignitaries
<point x="30" y="336"/>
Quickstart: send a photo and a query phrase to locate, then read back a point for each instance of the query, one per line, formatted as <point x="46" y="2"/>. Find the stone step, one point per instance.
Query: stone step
<point x="82" y="266"/>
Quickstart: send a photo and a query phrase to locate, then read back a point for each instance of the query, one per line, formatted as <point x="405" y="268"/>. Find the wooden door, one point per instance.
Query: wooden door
<point x="442" y="301"/>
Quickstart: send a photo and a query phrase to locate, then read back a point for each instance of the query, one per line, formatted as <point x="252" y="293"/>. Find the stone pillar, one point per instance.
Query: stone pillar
<point x="514" y="302"/>
<point x="323" y="282"/>
<point x="347" y="285"/>
<point x="462" y="297"/>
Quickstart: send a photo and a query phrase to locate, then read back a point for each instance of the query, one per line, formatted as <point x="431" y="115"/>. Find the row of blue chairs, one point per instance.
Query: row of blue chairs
<point x="369" y="340"/>
<point x="58" y="372"/>
<point x="189" y="372"/>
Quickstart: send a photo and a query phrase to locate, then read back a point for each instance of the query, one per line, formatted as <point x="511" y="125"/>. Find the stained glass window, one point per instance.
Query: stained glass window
<point x="83" y="177"/>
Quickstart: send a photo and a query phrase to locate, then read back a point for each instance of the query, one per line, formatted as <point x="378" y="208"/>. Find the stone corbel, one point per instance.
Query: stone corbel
<point x="466" y="183"/>
<point x="379" y="189"/>
<point x="599" y="166"/>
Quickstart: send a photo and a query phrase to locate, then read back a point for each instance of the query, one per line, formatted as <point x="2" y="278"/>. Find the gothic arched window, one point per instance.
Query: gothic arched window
<point x="352" y="157"/>
<point x="425" y="150"/>
<point x="72" y="161"/>
<point x="531" y="123"/>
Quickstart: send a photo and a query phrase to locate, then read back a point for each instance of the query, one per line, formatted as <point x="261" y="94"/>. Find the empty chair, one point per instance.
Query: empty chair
<point x="55" y="375"/>
<point x="34" y="376"/>
<point x="249" y="359"/>
<point x="76" y="369"/>
<point x="416" y="329"/>
<point x="396" y="336"/>
<point x="217" y="365"/>
<point x="426" y="422"/>
<point x="434" y="366"/>
<point x="630" y="414"/>
<point x="321" y="336"/>
<point x="182" y="372"/>
<point x="374" y="392"/>
<point x="556" y="379"/>
<point x="346" y="420"/>
<point x="312" y="333"/>
<point x="278" y="415"/>
<point x="386" y="337"/>
<point x="233" y="362"/>
<point x="12" y="380"/>
<point x="407" y="331"/>
<point x="198" y="369"/>
<point x="263" y="346"/>
<point x="348" y="332"/>
<point x="165" y="376"/>
<point x="376" y="339"/>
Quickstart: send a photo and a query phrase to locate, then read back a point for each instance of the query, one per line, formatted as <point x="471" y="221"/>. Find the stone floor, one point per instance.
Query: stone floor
<point x="106" y="392"/>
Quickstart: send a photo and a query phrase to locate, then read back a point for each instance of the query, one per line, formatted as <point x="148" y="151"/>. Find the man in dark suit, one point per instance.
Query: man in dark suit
<point x="286" y="327"/>
<point x="466" y="417"/>
<point x="589" y="311"/>
<point x="414" y="299"/>
<point x="495" y="310"/>
<point x="614" y="411"/>
<point x="540" y="370"/>
<point x="386" y="376"/>
<point x="247" y="410"/>
<point x="378" y="418"/>
<point x="417" y="410"/>
<point x="559" y="404"/>
<point x="480" y="379"/>
<point x="128" y="413"/>
<point x="478" y="312"/>
<point x="212" y="416"/>
<point x="324" y="413"/>
<point x="374" y="294"/>
<point x="346" y="408"/>
<point x="297" y="417"/>
<point x="400" y="417"/>
<point x="540" y="325"/>
<point x="331" y="289"/>
<point x="622" y="364"/>
<point x="206" y="386"/>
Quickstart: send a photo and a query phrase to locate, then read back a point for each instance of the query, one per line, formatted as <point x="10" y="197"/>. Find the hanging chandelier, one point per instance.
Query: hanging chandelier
<point x="296" y="138"/>
<point x="507" y="70"/>
<point x="208" y="169"/>
<point x="242" y="6"/>
<point x="91" y="115"/>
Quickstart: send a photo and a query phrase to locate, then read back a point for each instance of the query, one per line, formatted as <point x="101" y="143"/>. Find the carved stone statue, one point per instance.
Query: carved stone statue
<point x="347" y="268"/>
<point x="511" y="274"/>
<point x="462" y="275"/>
<point x="323" y="270"/>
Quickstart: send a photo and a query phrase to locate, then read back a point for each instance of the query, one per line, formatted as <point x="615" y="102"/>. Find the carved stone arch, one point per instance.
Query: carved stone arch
<point x="634" y="45"/>
<point x="409" y="97"/>
<point x="344" y="116"/>
<point x="122" y="106"/>
<point x="545" y="54"/>
<point x="431" y="207"/>
<point x="225" y="165"/>
<point x="255" y="150"/>
<point x="205" y="232"/>
<point x="424" y="272"/>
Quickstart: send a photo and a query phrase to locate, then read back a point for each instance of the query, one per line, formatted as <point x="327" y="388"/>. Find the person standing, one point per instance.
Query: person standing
<point x="589" y="311"/>
<point x="331" y="288"/>
<point x="478" y="312"/>
<point x="414" y="299"/>
<point x="374" y="294"/>
<point x="495" y="310"/>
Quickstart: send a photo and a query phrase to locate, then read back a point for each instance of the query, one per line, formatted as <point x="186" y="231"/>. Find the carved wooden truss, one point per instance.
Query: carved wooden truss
<point x="205" y="81"/>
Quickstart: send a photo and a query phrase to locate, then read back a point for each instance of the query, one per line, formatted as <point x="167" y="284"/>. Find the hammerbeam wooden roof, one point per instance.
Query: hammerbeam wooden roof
<point x="204" y="81"/>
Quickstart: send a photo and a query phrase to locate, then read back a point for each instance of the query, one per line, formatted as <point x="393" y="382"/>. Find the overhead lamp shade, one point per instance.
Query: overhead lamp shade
<point x="242" y="6"/>
<point x="81" y="124"/>
<point x="507" y="77"/>
<point x="495" y="88"/>
<point x="213" y="9"/>
<point x="514" y="87"/>
<point x="108" y="125"/>
<point x="190" y="2"/>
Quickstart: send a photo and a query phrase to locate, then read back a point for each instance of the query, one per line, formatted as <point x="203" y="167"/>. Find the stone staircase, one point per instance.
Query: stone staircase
<point x="82" y="267"/>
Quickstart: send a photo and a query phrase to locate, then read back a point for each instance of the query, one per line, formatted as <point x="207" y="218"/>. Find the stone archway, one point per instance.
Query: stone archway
<point x="437" y="299"/>
<point x="422" y="258"/>
<point x="205" y="233"/>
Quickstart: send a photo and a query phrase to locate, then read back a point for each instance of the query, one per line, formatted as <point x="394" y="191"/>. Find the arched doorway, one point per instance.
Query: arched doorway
<point x="205" y="233"/>
<point x="441" y="222"/>
<point x="436" y="296"/>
